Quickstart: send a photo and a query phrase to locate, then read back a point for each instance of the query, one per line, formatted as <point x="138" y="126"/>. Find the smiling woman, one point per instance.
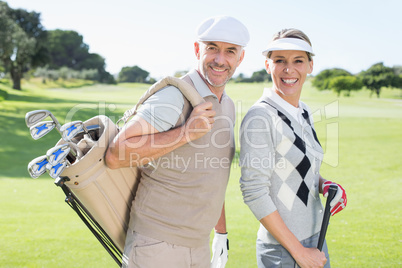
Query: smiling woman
<point x="285" y="198"/>
<point x="289" y="70"/>
<point x="289" y="60"/>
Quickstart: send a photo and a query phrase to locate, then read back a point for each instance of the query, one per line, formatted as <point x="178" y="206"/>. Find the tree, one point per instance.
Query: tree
<point x="2" y="70"/>
<point x="17" y="48"/>
<point x="378" y="76"/>
<point x="321" y="81"/>
<point x="397" y="70"/>
<point x="397" y="80"/>
<point x="260" y="76"/>
<point x="67" y="49"/>
<point x="97" y="62"/>
<point x="133" y="74"/>
<point x="345" y="83"/>
<point x="30" y="23"/>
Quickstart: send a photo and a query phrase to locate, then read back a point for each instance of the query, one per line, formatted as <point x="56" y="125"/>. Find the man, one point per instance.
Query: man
<point x="185" y="158"/>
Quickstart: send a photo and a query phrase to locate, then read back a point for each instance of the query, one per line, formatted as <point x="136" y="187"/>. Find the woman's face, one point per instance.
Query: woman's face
<point x="289" y="69"/>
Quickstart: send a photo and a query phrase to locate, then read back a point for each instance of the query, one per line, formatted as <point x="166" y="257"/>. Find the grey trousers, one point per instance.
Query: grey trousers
<point x="276" y="256"/>
<point x="144" y="252"/>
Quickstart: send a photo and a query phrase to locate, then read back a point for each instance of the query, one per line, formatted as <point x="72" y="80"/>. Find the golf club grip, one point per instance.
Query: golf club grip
<point x="327" y="213"/>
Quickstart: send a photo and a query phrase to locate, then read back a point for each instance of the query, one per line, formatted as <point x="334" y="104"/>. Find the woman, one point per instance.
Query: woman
<point x="280" y="158"/>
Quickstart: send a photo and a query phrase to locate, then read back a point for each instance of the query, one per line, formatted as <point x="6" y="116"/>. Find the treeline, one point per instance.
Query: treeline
<point x="27" y="47"/>
<point x="374" y="79"/>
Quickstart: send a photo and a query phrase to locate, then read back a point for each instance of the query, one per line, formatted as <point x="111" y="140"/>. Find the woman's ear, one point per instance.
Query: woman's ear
<point x="311" y="67"/>
<point x="267" y="66"/>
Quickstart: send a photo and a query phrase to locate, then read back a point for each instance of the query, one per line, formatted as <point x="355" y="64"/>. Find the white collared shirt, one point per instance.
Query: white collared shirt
<point x="295" y="112"/>
<point x="200" y="85"/>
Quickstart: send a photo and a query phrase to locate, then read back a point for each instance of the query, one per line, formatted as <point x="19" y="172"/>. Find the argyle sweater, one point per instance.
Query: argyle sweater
<point x="280" y="160"/>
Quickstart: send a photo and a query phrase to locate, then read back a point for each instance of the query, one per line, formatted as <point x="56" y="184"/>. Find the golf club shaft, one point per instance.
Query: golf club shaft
<point x="325" y="221"/>
<point x="58" y="126"/>
<point x="87" y="132"/>
<point x="327" y="213"/>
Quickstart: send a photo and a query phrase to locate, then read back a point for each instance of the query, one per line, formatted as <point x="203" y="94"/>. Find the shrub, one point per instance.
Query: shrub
<point x="3" y="95"/>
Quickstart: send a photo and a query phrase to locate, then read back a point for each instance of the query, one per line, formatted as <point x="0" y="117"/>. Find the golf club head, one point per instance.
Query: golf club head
<point x="33" y="117"/>
<point x="37" y="166"/>
<point x="40" y="129"/>
<point x="56" y="170"/>
<point x="69" y="130"/>
<point x="57" y="154"/>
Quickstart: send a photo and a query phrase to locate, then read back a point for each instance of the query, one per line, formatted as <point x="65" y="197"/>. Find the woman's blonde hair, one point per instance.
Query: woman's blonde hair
<point x="292" y="33"/>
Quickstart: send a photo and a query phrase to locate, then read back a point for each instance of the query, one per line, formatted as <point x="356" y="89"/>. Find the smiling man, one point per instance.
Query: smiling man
<point x="185" y="157"/>
<point x="217" y="63"/>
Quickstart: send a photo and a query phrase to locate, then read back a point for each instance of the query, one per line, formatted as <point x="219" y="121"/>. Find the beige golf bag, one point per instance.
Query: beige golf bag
<point x="106" y="194"/>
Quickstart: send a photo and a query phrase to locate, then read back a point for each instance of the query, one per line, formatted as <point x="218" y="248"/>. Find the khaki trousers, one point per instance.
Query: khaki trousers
<point x="144" y="252"/>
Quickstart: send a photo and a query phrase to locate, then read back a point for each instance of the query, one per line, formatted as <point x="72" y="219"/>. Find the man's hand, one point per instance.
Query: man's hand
<point x="339" y="201"/>
<point x="220" y="247"/>
<point x="200" y="121"/>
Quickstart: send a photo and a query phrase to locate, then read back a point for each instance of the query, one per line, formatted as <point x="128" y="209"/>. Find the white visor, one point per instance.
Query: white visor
<point x="288" y="44"/>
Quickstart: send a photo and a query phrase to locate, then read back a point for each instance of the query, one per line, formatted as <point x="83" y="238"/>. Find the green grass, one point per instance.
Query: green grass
<point x="361" y="137"/>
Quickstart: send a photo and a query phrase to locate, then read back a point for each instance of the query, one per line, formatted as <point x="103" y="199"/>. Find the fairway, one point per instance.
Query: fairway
<point x="361" y="137"/>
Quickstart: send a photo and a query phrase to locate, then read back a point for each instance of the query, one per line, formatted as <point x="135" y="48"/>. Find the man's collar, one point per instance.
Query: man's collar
<point x="200" y="84"/>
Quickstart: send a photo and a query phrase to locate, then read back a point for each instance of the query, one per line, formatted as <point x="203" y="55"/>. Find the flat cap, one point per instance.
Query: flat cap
<point x="223" y="29"/>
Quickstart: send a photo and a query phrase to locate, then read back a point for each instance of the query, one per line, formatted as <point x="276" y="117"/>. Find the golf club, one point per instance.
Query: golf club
<point x="58" y="154"/>
<point x="33" y="117"/>
<point x="40" y="129"/>
<point x="37" y="166"/>
<point x="325" y="221"/>
<point x="70" y="130"/>
<point x="56" y="170"/>
<point x="327" y="213"/>
<point x="93" y="131"/>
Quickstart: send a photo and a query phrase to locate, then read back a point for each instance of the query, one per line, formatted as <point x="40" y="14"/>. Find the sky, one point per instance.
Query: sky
<point x="158" y="35"/>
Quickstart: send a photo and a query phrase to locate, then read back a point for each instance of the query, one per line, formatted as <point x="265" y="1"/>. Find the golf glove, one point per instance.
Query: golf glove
<point x="339" y="201"/>
<point x="220" y="247"/>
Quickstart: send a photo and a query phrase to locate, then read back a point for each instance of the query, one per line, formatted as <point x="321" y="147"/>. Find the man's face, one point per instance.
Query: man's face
<point x="217" y="62"/>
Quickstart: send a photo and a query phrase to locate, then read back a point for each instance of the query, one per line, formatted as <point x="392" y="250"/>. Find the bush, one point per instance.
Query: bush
<point x="3" y="95"/>
<point x="66" y="74"/>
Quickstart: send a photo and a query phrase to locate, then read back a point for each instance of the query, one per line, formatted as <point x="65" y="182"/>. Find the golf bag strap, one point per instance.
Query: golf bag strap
<point x="188" y="91"/>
